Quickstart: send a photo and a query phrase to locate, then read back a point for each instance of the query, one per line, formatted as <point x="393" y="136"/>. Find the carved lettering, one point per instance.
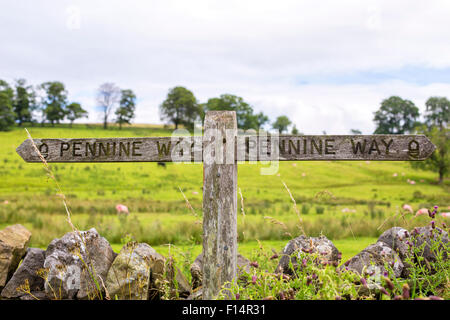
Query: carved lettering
<point x="163" y="149"/>
<point x="292" y="146"/>
<point x="105" y="150"/>
<point x="249" y="148"/>
<point x="282" y="146"/>
<point x="64" y="147"/>
<point x="136" y="148"/>
<point x="91" y="148"/>
<point x="43" y="149"/>
<point x="358" y="146"/>
<point x="126" y="149"/>
<point x="387" y="145"/>
<point x="374" y="147"/>
<point x="76" y="146"/>
<point x="314" y="146"/>
<point x="329" y="146"/>
<point x="413" y="149"/>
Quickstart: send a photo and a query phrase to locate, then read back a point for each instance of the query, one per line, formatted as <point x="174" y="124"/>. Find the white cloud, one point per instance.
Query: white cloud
<point x="255" y="49"/>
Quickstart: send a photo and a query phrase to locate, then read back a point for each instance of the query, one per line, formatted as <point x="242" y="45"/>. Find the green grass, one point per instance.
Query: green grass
<point x="349" y="247"/>
<point x="159" y="213"/>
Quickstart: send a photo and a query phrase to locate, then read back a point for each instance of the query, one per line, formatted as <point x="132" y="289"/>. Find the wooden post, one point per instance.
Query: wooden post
<point x="219" y="201"/>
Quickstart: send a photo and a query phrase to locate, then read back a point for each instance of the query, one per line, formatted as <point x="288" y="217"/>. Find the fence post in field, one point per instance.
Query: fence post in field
<point x="219" y="201"/>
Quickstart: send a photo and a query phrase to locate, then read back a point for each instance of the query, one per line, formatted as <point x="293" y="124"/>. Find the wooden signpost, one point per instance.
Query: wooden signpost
<point x="220" y="148"/>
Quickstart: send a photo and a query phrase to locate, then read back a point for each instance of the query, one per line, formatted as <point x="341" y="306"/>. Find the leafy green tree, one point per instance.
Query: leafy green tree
<point x="355" y="131"/>
<point x="7" y="115"/>
<point x="281" y="124"/>
<point x="108" y="95"/>
<point x="437" y="112"/>
<point x="439" y="161"/>
<point x="54" y="102"/>
<point x="245" y="117"/>
<point x="261" y="120"/>
<point x="24" y="102"/>
<point x="435" y="128"/>
<point x="74" y="111"/>
<point x="396" y="116"/>
<point x="127" y="107"/>
<point x="180" y="108"/>
<point x="294" y="130"/>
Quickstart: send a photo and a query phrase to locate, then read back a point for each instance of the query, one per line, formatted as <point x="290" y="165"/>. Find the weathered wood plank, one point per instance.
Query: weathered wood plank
<point x="338" y="147"/>
<point x="154" y="149"/>
<point x="219" y="202"/>
<point x="256" y="148"/>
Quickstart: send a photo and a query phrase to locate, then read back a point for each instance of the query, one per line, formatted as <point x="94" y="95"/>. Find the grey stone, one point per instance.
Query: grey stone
<point x="195" y="295"/>
<point x="27" y="271"/>
<point x="397" y="239"/>
<point x="36" y="295"/>
<point x="371" y="261"/>
<point x="75" y="263"/>
<point x="139" y="273"/>
<point x="13" y="246"/>
<point x="422" y="238"/>
<point x="243" y="264"/>
<point x="299" y="247"/>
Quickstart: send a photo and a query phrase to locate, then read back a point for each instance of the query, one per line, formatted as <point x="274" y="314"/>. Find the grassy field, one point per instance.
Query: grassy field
<point x="372" y="192"/>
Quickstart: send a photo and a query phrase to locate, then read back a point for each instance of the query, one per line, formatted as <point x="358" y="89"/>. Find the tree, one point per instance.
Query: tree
<point x="24" y="101"/>
<point x="244" y="112"/>
<point x="54" y="102"/>
<point x="7" y="114"/>
<point x="281" y="124"/>
<point x="180" y="107"/>
<point x="437" y="112"/>
<point x="435" y="128"/>
<point x="108" y="95"/>
<point x="127" y="106"/>
<point x="439" y="161"/>
<point x="261" y="120"/>
<point x="396" y="116"/>
<point x="294" y="130"/>
<point x="74" y="111"/>
<point x="355" y="131"/>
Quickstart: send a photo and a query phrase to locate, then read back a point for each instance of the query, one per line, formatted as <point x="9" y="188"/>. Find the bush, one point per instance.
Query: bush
<point x="320" y="210"/>
<point x="417" y="195"/>
<point x="305" y="208"/>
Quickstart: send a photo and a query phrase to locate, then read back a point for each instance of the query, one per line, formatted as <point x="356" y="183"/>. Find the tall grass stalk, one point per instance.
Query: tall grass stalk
<point x="61" y="194"/>
<point x="188" y="204"/>
<point x="295" y="209"/>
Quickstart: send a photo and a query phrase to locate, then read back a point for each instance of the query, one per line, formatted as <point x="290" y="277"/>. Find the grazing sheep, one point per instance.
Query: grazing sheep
<point x="121" y="209"/>
<point x="422" y="212"/>
<point x="408" y="208"/>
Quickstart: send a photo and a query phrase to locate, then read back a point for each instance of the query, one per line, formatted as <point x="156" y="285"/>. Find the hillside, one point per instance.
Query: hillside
<point x="340" y="199"/>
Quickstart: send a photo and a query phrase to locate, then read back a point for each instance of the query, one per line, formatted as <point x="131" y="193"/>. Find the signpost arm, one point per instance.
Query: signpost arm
<point x="219" y="201"/>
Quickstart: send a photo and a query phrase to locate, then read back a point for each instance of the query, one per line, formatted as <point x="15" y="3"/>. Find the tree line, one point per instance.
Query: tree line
<point x="401" y="116"/>
<point x="182" y="108"/>
<point x="22" y="103"/>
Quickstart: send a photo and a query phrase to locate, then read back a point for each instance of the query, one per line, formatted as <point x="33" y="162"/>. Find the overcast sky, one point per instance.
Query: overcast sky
<point x="327" y="65"/>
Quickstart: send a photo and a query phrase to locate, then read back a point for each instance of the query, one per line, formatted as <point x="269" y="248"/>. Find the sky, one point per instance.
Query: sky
<point x="327" y="65"/>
